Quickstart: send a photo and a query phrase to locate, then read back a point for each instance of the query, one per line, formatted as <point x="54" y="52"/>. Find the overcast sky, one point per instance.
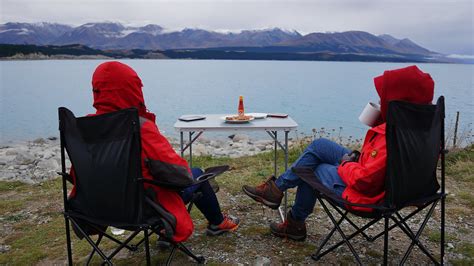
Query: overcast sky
<point x="444" y="26"/>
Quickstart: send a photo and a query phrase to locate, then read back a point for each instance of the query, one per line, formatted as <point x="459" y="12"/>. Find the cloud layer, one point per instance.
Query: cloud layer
<point x="441" y="25"/>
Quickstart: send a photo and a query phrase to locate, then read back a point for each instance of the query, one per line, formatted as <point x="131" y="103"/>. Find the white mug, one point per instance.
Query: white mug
<point x="370" y="114"/>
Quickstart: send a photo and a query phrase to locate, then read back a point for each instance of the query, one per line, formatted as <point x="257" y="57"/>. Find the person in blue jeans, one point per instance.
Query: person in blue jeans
<point x="322" y="155"/>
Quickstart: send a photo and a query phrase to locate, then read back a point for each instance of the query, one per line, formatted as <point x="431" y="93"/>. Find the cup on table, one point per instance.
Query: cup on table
<point x="370" y="115"/>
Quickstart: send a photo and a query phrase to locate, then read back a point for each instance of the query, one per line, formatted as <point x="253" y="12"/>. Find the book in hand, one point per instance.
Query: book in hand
<point x="189" y="118"/>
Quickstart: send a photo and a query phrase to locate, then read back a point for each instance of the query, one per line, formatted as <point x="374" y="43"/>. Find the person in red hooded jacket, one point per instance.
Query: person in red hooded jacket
<point x="117" y="86"/>
<point x="356" y="177"/>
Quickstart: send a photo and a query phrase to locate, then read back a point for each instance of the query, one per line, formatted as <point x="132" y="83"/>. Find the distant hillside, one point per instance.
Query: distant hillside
<point x="15" y="51"/>
<point x="115" y="36"/>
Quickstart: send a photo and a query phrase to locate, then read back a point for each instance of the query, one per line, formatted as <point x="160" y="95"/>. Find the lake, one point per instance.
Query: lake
<point x="315" y="94"/>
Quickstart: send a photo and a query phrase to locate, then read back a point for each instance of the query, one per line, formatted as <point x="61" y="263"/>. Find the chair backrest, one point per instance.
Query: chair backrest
<point x="105" y="152"/>
<point x="414" y="143"/>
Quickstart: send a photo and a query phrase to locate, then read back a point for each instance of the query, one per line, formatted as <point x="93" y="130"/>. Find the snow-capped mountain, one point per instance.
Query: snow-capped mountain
<point x="111" y="35"/>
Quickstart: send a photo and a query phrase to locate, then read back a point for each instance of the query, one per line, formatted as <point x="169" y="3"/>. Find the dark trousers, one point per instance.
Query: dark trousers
<point x="207" y="203"/>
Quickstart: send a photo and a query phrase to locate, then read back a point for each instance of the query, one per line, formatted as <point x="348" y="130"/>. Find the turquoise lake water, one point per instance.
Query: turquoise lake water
<point x="315" y="94"/>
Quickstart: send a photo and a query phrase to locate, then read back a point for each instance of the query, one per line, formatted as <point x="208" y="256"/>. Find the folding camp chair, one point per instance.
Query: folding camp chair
<point x="105" y="152"/>
<point x="415" y="144"/>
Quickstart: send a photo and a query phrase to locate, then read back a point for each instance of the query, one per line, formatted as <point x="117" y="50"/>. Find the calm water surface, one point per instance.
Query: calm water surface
<point x="315" y="94"/>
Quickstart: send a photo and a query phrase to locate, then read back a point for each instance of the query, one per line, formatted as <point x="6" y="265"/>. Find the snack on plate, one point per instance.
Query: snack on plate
<point x="238" y="118"/>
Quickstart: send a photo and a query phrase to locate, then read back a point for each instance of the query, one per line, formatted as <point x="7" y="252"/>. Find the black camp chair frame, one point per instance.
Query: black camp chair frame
<point x="381" y="212"/>
<point x="71" y="217"/>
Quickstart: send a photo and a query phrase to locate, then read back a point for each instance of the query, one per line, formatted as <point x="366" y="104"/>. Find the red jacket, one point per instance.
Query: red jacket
<point x="117" y="86"/>
<point x="365" y="179"/>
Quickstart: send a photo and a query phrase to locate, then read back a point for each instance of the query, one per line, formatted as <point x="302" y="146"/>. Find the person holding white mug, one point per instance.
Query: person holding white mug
<point x="358" y="177"/>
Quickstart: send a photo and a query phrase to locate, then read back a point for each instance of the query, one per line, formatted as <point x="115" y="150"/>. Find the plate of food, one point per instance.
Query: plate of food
<point x="258" y="115"/>
<point x="236" y="119"/>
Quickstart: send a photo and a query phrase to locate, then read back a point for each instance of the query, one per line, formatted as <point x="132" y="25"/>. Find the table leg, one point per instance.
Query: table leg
<point x="275" y="167"/>
<point x="191" y="149"/>
<point x="285" y="204"/>
<point x="181" y="134"/>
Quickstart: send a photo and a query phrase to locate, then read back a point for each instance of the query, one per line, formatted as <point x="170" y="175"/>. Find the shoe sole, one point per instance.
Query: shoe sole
<point x="292" y="237"/>
<point x="265" y="202"/>
<point x="220" y="232"/>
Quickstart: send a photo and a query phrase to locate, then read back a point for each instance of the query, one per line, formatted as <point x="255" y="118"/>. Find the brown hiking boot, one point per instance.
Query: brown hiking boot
<point x="290" y="228"/>
<point x="266" y="193"/>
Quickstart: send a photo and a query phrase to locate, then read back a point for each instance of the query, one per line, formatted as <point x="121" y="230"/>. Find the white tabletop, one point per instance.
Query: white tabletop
<point x="215" y="122"/>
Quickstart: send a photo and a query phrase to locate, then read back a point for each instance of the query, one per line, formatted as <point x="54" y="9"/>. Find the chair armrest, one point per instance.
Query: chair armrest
<point x="209" y="173"/>
<point x="308" y="176"/>
<point x="67" y="176"/>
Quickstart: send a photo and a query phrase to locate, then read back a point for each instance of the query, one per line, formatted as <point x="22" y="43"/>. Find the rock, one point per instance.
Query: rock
<point x="237" y="145"/>
<point x="52" y="138"/>
<point x="217" y="143"/>
<point x="23" y="157"/>
<point x="49" y="164"/>
<point x="262" y="261"/>
<point x="11" y="152"/>
<point x="261" y="146"/>
<point x="199" y="149"/>
<point x="39" y="141"/>
<point x="240" y="138"/>
<point x="204" y="140"/>
<point x="4" y="248"/>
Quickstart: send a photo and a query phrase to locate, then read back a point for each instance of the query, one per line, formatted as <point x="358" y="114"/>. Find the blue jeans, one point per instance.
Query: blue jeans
<point x="323" y="156"/>
<point x="207" y="203"/>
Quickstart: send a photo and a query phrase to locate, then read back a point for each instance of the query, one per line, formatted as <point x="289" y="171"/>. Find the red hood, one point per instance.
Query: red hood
<point x="407" y="84"/>
<point x="117" y="86"/>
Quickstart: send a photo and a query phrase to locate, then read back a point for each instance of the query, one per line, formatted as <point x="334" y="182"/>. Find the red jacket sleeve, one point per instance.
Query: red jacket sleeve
<point x="159" y="152"/>
<point x="367" y="176"/>
<point x="366" y="179"/>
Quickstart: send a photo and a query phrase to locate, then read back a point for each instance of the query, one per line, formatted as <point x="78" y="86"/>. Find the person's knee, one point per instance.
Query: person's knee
<point x="196" y="172"/>
<point x="317" y="144"/>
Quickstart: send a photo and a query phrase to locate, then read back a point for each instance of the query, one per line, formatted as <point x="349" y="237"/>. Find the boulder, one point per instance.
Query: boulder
<point x="240" y="138"/>
<point x="262" y="261"/>
<point x="199" y="149"/>
<point x="39" y="141"/>
<point x="48" y="164"/>
<point x="24" y="157"/>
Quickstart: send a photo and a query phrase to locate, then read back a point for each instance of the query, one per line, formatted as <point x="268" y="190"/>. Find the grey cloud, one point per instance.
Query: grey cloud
<point x="441" y="25"/>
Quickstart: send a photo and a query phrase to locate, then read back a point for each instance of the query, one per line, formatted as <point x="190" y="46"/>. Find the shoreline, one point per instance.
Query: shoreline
<point x="38" y="160"/>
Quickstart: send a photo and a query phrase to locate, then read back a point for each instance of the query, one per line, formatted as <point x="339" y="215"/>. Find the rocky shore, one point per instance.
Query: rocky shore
<point x="39" y="160"/>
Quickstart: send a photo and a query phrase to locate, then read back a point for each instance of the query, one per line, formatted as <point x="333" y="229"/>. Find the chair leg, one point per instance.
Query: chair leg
<point x="93" y="250"/>
<point x="104" y="257"/>
<point x="68" y="240"/>
<point x="415" y="238"/>
<point x="348" y="238"/>
<point x="316" y="256"/>
<point x="170" y="257"/>
<point x="344" y="237"/>
<point x="442" y="229"/>
<point x="183" y="248"/>
<point x="129" y="247"/>
<point x="385" y="242"/>
<point x="123" y="244"/>
<point x="368" y="238"/>
<point x="147" y="248"/>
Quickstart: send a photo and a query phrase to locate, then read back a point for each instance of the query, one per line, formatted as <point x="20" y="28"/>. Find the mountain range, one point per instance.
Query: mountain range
<point x="115" y="36"/>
